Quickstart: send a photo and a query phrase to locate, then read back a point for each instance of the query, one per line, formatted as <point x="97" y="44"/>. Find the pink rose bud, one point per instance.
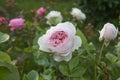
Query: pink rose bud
<point x="108" y="32"/>
<point x="2" y="20"/>
<point x="17" y="23"/>
<point x="41" y="11"/>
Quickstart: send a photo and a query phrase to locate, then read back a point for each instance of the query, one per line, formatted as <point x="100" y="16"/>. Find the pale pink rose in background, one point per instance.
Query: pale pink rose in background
<point x="108" y="32"/>
<point x="61" y="40"/>
<point x="54" y="17"/>
<point x="78" y="14"/>
<point x="2" y="20"/>
<point x="41" y="11"/>
<point x="17" y="23"/>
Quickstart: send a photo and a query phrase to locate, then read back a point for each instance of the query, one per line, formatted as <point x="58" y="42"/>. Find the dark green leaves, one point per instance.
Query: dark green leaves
<point x="73" y="68"/>
<point x="64" y="69"/>
<point x="84" y="40"/>
<point x="74" y="62"/>
<point x="112" y="58"/>
<point x="4" y="57"/>
<point x="8" y="72"/>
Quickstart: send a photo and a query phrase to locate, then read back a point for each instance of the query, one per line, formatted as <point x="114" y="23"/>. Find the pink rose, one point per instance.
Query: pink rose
<point x="41" y="11"/>
<point x="2" y="20"/>
<point x="61" y="40"/>
<point x="17" y="23"/>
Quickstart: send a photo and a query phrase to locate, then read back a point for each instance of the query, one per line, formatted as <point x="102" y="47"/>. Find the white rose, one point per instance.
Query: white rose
<point x="78" y="14"/>
<point x="60" y="40"/>
<point x="54" y="17"/>
<point x="108" y="32"/>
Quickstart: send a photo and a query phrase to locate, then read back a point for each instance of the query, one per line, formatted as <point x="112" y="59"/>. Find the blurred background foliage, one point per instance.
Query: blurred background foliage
<point x="23" y="48"/>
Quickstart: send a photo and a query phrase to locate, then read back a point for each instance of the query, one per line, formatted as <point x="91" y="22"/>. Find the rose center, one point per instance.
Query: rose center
<point x="58" y="38"/>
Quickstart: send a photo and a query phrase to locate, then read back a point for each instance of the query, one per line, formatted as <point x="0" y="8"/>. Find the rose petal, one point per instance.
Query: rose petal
<point x="77" y="42"/>
<point x="101" y="34"/>
<point x="59" y="58"/>
<point x="42" y="44"/>
<point x="67" y="26"/>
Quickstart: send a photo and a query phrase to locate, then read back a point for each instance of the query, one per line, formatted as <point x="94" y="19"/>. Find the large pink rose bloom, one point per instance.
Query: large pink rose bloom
<point x="41" y="11"/>
<point x="17" y="23"/>
<point x="61" y="40"/>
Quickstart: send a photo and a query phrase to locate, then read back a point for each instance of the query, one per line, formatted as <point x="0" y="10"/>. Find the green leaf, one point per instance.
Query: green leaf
<point x="78" y="72"/>
<point x="3" y="37"/>
<point x="90" y="47"/>
<point x="64" y="69"/>
<point x="42" y="60"/>
<point x="118" y="63"/>
<point x="118" y="78"/>
<point x="8" y="72"/>
<point x="84" y="40"/>
<point x="48" y="74"/>
<point x="80" y="78"/>
<point x="112" y="58"/>
<point x="25" y="77"/>
<point x="33" y="75"/>
<point x="4" y="57"/>
<point x="73" y="62"/>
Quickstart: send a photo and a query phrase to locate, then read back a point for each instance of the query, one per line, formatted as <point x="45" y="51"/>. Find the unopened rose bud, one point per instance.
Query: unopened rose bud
<point x="2" y="20"/>
<point x="108" y="32"/>
<point x="41" y="11"/>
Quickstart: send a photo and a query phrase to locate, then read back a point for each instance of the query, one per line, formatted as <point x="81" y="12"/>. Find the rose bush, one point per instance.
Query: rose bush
<point x="60" y="51"/>
<point x="60" y="40"/>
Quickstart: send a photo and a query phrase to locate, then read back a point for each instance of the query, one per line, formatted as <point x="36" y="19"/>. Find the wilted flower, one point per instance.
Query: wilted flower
<point x="2" y="20"/>
<point x="61" y="40"/>
<point x="17" y="23"/>
<point x="78" y="14"/>
<point x="41" y="11"/>
<point x="54" y="17"/>
<point x="108" y="32"/>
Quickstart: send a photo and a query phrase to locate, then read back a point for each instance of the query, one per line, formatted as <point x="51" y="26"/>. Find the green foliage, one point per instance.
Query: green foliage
<point x="84" y="40"/>
<point x="100" y="11"/>
<point x="32" y="75"/>
<point x="8" y="71"/>
<point x="74" y="62"/>
<point x="64" y="69"/>
<point x="4" y="57"/>
<point x="112" y="58"/>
